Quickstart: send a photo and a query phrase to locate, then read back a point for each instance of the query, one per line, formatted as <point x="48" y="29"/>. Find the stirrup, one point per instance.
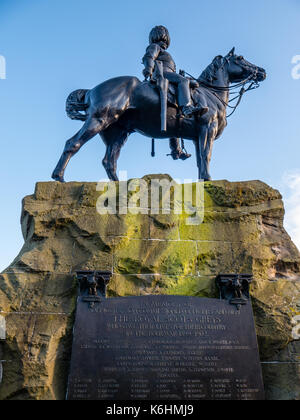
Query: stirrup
<point x="179" y="155"/>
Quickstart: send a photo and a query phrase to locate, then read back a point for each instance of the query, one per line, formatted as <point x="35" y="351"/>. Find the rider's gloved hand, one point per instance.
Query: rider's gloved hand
<point x="147" y="73"/>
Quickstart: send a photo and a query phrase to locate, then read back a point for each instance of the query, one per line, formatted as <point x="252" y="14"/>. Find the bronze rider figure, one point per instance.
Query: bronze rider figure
<point x="160" y="40"/>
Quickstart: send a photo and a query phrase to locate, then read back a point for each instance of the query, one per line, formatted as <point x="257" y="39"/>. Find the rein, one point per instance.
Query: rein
<point x="242" y="84"/>
<point x="222" y="88"/>
<point x="253" y="85"/>
<point x="239" y="97"/>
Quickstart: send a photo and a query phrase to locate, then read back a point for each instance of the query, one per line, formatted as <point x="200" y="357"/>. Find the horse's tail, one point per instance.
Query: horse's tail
<point x="76" y="103"/>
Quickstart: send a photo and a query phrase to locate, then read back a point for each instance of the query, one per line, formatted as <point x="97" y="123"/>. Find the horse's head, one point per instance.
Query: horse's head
<point x="232" y="69"/>
<point x="240" y="69"/>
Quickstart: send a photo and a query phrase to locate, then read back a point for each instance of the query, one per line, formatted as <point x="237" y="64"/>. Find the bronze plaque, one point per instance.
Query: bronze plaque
<point x="164" y="348"/>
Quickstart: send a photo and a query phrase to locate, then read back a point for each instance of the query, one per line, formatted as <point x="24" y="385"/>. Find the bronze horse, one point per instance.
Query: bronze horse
<point x="124" y="105"/>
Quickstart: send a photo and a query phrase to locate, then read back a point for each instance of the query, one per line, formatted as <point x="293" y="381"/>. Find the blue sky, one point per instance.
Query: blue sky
<point x="52" y="47"/>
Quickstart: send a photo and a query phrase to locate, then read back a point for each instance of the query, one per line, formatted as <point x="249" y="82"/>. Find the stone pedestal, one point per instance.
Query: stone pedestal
<point x="148" y="254"/>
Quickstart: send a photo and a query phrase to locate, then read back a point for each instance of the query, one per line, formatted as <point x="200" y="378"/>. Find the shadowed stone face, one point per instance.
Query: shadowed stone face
<point x="242" y="231"/>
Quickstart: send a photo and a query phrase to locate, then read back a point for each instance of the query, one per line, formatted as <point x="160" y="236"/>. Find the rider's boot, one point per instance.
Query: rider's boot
<point x="185" y="101"/>
<point x="176" y="150"/>
<point x="189" y="110"/>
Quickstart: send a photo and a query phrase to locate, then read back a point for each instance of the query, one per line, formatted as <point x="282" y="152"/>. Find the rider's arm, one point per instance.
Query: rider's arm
<point x="149" y="58"/>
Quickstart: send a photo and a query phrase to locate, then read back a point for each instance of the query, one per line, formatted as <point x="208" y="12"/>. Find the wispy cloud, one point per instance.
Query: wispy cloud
<point x="291" y="193"/>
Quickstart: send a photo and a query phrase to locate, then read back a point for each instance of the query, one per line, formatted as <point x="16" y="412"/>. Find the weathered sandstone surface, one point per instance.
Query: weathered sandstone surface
<point x="242" y="231"/>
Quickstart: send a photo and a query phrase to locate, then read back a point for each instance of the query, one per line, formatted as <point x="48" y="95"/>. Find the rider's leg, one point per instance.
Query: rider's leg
<point x="184" y="94"/>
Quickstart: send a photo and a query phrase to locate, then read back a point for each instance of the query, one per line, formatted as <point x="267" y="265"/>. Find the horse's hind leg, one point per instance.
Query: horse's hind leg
<point x="114" y="137"/>
<point x="91" y="127"/>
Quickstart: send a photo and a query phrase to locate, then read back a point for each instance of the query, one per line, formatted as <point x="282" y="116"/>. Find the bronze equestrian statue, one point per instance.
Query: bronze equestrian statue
<point x="124" y="105"/>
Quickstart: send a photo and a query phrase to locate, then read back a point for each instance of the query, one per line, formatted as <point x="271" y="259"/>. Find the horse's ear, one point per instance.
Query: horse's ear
<point x="231" y="53"/>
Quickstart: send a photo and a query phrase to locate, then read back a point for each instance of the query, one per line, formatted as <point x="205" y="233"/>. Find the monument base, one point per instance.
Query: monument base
<point x="242" y="232"/>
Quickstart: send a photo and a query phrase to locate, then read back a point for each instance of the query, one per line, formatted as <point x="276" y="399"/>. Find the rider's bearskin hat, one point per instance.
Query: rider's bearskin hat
<point x="160" y="33"/>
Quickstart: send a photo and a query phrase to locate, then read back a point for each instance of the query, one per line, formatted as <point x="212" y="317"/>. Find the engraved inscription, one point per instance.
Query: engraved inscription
<point x="164" y="348"/>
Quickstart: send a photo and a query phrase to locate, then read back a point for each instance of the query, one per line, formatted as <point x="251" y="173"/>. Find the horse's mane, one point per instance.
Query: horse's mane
<point x="209" y="73"/>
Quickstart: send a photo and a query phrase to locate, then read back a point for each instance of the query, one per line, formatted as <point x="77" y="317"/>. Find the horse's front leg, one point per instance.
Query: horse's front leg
<point x="199" y="146"/>
<point x="204" y="147"/>
<point x="208" y="148"/>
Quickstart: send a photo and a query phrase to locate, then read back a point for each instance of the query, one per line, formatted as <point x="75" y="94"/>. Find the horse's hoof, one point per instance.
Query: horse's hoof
<point x="58" y="178"/>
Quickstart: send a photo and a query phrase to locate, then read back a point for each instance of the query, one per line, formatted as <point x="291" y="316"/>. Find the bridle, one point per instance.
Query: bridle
<point x="252" y="79"/>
